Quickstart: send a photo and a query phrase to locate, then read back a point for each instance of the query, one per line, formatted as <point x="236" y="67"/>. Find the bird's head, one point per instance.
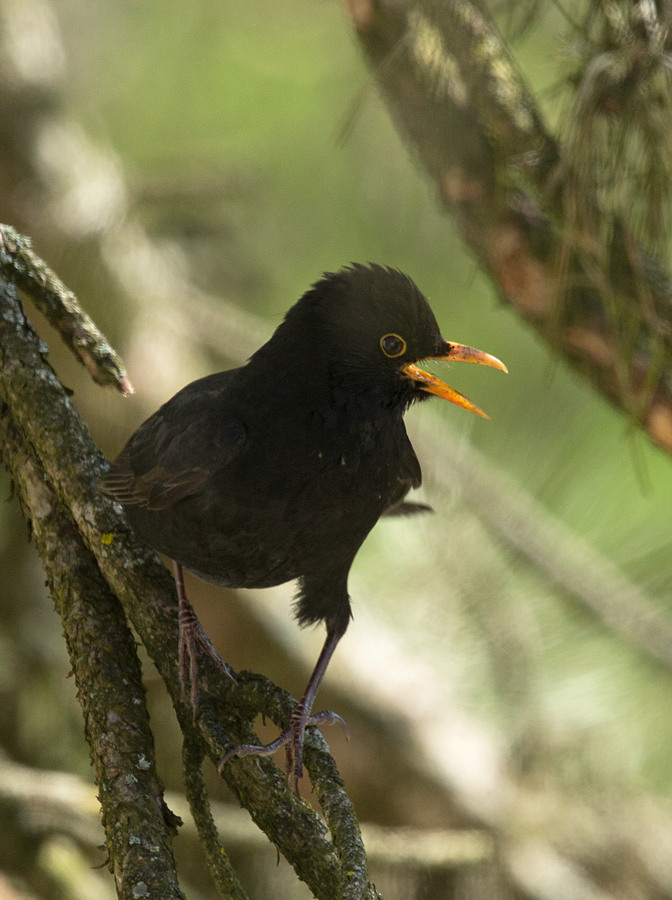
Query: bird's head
<point x="374" y="326"/>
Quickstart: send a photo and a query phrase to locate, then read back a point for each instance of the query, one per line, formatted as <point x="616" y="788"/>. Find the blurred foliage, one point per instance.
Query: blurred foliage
<point x="253" y="141"/>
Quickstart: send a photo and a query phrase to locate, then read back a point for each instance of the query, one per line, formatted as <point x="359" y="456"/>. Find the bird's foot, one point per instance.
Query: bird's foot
<point x="291" y="740"/>
<point x="191" y="634"/>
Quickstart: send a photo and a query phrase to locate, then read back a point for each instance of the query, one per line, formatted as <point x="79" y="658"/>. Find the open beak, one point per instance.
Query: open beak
<point x="432" y="385"/>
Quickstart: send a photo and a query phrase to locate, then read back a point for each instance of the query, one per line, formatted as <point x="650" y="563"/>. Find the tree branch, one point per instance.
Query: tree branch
<point x="21" y="266"/>
<point x="138" y="825"/>
<point x="71" y="804"/>
<point x="219" y="865"/>
<point x="456" y="95"/>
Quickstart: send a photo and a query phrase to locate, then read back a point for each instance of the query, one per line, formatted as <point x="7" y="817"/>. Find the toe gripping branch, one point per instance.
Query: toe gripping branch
<point x="293" y="738"/>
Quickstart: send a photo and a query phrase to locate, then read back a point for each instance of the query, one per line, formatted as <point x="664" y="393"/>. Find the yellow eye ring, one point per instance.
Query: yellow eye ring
<point x="392" y="345"/>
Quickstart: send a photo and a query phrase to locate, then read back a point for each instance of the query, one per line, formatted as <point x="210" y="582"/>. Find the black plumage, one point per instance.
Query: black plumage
<point x="279" y="469"/>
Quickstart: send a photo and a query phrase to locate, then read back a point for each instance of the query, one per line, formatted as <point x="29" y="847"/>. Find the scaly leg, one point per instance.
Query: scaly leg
<point x="190" y="634"/>
<point x="292" y="738"/>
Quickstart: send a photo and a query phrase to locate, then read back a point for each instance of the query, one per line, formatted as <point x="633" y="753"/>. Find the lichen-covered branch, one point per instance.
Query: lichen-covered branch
<point x="70" y="801"/>
<point x="20" y="265"/>
<point x="221" y="870"/>
<point x="457" y="96"/>
<point x="44" y="420"/>
<point x="138" y="824"/>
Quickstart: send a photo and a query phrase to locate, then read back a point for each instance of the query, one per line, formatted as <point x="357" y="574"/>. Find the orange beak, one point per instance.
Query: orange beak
<point x="432" y="385"/>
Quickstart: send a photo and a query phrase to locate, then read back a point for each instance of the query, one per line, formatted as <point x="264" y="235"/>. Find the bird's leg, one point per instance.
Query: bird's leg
<point x="191" y="633"/>
<point x="301" y="717"/>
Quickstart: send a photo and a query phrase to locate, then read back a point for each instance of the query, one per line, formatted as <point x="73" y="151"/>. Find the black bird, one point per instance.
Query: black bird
<point x="279" y="469"/>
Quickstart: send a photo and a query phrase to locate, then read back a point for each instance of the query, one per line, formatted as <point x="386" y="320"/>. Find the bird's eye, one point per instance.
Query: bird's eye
<point x="392" y="345"/>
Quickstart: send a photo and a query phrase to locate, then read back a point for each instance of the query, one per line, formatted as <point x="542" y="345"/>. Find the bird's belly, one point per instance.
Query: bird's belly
<point x="323" y="537"/>
<point x="288" y="529"/>
<point x="228" y="551"/>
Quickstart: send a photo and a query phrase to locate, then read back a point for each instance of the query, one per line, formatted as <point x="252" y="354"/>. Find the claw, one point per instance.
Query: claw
<point x="327" y="717"/>
<point x="292" y="740"/>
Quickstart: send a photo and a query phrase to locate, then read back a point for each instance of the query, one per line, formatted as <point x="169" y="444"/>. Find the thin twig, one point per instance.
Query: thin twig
<point x="222" y="872"/>
<point x="19" y="264"/>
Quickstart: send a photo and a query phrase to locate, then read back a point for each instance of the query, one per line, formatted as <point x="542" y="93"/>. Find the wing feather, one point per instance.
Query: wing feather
<point x="174" y="453"/>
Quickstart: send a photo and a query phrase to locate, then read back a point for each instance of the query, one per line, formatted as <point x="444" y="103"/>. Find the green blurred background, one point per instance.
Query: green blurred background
<point x="254" y="152"/>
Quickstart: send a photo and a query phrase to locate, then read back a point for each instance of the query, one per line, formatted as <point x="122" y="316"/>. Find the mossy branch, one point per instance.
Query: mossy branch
<point x="20" y="265"/>
<point x="138" y="825"/>
<point x="219" y="865"/>
<point x="57" y="797"/>
<point x="40" y="418"/>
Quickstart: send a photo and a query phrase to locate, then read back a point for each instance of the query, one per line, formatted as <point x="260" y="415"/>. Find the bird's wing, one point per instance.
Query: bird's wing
<point x="174" y="453"/>
<point x="410" y="476"/>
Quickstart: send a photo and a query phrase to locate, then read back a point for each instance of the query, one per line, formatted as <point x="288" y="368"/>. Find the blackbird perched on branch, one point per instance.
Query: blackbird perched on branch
<point x="279" y="469"/>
